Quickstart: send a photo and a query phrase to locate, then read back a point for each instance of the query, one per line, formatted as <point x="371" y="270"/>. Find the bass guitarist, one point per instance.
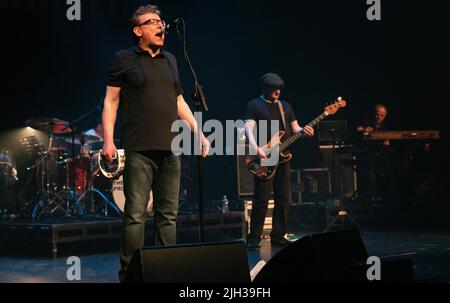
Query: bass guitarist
<point x="269" y="108"/>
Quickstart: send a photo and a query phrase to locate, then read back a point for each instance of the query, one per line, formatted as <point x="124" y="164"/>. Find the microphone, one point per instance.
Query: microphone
<point x="166" y="29"/>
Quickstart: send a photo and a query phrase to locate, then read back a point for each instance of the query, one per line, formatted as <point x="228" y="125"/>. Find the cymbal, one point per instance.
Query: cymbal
<point x="49" y="125"/>
<point x="90" y="138"/>
<point x="80" y="139"/>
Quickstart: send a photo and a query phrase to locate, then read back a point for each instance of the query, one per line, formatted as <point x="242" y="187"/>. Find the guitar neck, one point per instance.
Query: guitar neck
<point x="292" y="139"/>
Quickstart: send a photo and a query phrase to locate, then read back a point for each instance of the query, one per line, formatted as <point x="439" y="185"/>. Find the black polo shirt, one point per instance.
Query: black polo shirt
<point x="148" y="97"/>
<point x="262" y="110"/>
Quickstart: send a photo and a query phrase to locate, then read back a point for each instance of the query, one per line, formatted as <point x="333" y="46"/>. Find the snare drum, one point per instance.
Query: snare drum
<point x="118" y="195"/>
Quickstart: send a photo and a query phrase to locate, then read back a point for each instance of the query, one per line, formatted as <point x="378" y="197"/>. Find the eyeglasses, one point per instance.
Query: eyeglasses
<point x="153" y="22"/>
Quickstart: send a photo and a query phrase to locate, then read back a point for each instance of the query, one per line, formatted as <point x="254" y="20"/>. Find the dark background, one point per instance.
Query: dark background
<point x="53" y="67"/>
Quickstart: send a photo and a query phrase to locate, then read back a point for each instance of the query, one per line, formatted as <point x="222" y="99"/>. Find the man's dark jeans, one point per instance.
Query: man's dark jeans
<point x="146" y="171"/>
<point x="280" y="184"/>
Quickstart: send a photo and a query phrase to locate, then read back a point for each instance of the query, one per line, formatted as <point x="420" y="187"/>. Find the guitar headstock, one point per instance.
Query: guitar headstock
<point x="334" y="107"/>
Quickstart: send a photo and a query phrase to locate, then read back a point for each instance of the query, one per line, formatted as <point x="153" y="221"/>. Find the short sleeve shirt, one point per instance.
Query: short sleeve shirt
<point x="148" y="98"/>
<point x="262" y="110"/>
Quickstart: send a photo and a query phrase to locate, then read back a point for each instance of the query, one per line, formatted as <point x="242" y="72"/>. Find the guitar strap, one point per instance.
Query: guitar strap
<point x="280" y="107"/>
<point x="283" y="117"/>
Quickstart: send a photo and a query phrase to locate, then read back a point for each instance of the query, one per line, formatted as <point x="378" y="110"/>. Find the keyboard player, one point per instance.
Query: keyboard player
<point x="375" y="164"/>
<point x="377" y="122"/>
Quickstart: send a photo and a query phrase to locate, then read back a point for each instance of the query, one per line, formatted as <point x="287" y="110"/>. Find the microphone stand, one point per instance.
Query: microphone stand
<point x="78" y="120"/>
<point x="338" y="193"/>
<point x="200" y="100"/>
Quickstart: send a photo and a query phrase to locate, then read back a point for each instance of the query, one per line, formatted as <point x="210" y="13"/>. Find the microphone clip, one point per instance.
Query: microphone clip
<point x="168" y="27"/>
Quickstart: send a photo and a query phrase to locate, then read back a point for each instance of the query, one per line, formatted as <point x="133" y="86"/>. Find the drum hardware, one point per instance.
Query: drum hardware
<point x="78" y="177"/>
<point x="49" y="200"/>
<point x="91" y="190"/>
<point x="54" y="198"/>
<point x="88" y="186"/>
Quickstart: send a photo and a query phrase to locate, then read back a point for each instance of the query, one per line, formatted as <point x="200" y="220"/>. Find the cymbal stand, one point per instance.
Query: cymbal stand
<point x="47" y="197"/>
<point x="78" y="209"/>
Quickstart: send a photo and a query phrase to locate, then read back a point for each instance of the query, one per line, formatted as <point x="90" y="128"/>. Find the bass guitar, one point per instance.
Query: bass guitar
<point x="278" y="144"/>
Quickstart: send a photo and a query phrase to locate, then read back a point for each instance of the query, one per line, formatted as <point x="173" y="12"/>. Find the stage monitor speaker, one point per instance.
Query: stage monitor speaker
<point x="206" y="263"/>
<point x="328" y="257"/>
<point x="245" y="179"/>
<point x="314" y="258"/>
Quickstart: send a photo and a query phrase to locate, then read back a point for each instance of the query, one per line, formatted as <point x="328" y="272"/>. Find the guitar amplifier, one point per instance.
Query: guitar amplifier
<point x="310" y="185"/>
<point x="245" y="179"/>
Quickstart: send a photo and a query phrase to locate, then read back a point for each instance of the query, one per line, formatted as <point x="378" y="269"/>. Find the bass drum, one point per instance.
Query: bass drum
<point x="118" y="195"/>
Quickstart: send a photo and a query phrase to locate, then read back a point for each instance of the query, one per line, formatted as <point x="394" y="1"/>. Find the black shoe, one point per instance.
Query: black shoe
<point x="282" y="242"/>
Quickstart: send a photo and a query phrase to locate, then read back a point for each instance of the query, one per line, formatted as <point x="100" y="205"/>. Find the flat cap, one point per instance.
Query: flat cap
<point x="272" y="80"/>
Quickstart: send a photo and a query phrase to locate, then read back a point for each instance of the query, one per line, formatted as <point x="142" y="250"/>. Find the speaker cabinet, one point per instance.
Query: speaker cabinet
<point x="329" y="257"/>
<point x="245" y="179"/>
<point x="310" y="185"/>
<point x="206" y="263"/>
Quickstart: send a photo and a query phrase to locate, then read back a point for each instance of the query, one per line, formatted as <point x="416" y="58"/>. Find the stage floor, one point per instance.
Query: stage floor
<point x="429" y="251"/>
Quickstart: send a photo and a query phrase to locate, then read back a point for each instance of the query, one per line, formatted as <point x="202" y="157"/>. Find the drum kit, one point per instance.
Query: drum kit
<point x="71" y="181"/>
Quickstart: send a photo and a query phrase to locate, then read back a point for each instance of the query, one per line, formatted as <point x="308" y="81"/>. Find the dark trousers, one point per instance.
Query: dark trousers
<point x="280" y="184"/>
<point x="146" y="171"/>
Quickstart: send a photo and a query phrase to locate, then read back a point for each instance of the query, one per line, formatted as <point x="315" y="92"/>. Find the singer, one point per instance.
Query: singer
<point x="144" y="81"/>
